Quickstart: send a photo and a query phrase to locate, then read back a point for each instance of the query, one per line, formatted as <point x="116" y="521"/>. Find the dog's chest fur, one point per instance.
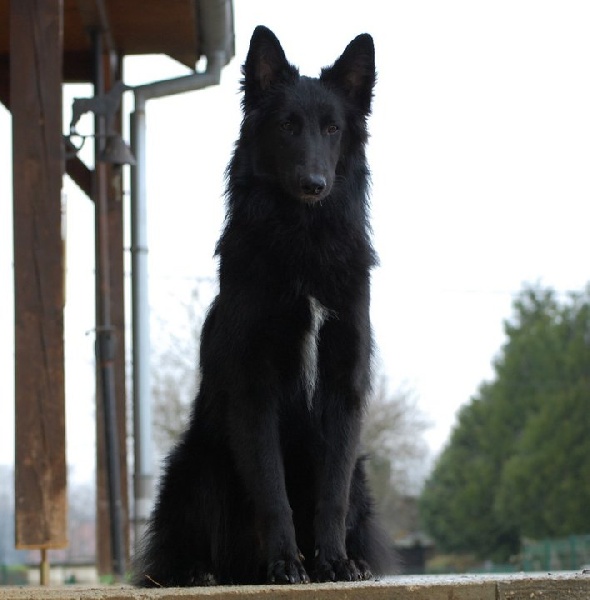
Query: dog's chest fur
<point x="310" y="347"/>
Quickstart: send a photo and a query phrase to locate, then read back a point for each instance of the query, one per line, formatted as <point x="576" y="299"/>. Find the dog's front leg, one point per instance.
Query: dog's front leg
<point x="257" y="452"/>
<point x="334" y="479"/>
<point x="343" y="389"/>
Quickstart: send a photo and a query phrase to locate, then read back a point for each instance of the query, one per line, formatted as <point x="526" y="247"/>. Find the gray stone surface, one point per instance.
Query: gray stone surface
<point x="542" y="586"/>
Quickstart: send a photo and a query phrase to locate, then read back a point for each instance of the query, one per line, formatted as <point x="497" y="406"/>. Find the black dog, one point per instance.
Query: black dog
<point x="267" y="484"/>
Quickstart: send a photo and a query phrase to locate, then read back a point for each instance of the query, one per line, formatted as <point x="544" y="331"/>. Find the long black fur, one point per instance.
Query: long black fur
<point x="267" y="484"/>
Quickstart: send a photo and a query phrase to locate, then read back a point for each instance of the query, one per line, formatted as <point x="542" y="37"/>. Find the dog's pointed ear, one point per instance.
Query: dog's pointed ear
<point x="354" y="72"/>
<point x="266" y="65"/>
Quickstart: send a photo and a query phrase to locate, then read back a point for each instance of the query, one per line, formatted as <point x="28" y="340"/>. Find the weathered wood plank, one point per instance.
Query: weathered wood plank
<point x="35" y="88"/>
<point x="4" y="82"/>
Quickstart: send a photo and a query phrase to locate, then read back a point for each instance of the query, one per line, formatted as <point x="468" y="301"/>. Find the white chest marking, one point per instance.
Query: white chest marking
<point x="309" y="349"/>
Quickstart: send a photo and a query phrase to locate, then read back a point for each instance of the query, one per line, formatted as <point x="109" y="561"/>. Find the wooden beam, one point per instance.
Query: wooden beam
<point x="80" y="174"/>
<point x="36" y="39"/>
<point x="78" y="66"/>
<point x="5" y="81"/>
<point x="95" y="18"/>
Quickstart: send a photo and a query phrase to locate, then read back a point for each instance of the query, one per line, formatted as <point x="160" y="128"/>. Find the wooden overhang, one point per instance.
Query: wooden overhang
<point x="170" y="27"/>
<point x="185" y="30"/>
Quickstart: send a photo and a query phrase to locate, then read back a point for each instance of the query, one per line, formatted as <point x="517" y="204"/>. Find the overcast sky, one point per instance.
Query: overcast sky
<point x="480" y="154"/>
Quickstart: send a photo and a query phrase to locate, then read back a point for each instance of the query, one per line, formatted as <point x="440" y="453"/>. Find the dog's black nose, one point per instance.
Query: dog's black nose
<point x="313" y="185"/>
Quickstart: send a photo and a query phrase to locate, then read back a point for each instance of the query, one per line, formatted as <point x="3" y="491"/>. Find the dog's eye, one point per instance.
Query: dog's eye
<point x="287" y="126"/>
<point x="332" y="129"/>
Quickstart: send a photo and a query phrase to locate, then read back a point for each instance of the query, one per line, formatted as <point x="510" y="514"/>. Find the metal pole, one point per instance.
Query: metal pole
<point x="142" y="409"/>
<point x="220" y="13"/>
<point x="105" y="343"/>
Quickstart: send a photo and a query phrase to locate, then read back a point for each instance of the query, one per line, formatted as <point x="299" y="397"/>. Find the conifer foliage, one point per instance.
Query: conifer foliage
<point x="517" y="464"/>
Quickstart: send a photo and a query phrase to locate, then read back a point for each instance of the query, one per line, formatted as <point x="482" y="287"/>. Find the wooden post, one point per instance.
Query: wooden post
<point x="44" y="569"/>
<point x="36" y="40"/>
<point x="108" y="184"/>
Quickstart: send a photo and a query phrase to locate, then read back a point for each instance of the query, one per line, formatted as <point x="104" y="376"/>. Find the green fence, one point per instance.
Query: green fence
<point x="569" y="553"/>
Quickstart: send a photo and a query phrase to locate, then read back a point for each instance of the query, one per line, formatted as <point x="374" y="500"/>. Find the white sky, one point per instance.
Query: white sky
<point x="480" y="154"/>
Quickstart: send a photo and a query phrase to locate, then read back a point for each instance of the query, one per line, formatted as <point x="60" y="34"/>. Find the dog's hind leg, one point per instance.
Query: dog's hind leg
<point x="176" y="550"/>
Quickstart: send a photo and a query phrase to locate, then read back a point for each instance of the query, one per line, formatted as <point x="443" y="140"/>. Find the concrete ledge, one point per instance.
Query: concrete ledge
<point x="543" y="586"/>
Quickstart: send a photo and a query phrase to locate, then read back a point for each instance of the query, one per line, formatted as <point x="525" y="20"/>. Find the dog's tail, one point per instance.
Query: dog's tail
<point x="367" y="539"/>
<point x="378" y="550"/>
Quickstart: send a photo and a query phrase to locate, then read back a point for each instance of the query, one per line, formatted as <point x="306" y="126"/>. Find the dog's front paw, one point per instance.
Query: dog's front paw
<point x="341" y="569"/>
<point x="364" y="569"/>
<point x="201" y="576"/>
<point x="287" y="571"/>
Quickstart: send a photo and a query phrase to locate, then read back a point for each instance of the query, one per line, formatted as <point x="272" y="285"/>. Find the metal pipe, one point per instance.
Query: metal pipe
<point x="105" y="344"/>
<point x="179" y="85"/>
<point x="142" y="408"/>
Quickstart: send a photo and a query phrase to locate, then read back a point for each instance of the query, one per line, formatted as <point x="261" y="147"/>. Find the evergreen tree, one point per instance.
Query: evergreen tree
<point x="545" y="485"/>
<point x="517" y="461"/>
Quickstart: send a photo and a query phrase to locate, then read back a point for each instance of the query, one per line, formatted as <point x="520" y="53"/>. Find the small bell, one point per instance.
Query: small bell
<point x="116" y="151"/>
